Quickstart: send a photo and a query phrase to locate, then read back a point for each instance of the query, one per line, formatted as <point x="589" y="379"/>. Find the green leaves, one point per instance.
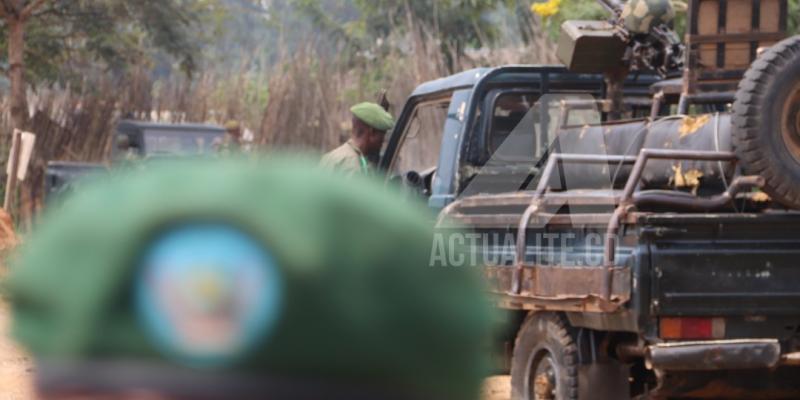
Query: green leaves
<point x="71" y="37"/>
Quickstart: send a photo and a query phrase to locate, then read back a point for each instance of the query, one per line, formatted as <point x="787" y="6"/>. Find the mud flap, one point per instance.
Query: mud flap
<point x="601" y="381"/>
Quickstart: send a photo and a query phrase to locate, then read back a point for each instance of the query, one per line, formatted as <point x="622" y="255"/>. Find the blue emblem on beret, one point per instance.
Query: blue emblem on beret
<point x="208" y="294"/>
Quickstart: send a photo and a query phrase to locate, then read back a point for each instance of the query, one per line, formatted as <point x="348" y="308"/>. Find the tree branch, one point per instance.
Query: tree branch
<point x="5" y="10"/>
<point x="30" y="8"/>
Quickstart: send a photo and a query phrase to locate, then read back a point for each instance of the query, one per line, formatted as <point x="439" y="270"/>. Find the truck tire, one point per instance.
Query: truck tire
<point x="544" y="364"/>
<point x="766" y="121"/>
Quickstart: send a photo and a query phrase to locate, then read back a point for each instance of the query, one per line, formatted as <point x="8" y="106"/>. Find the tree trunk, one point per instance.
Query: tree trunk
<point x="16" y="61"/>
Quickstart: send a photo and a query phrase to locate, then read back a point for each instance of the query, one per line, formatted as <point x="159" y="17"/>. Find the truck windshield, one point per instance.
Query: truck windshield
<point x="524" y="126"/>
<point x="419" y="148"/>
<point x="173" y="142"/>
<point x="510" y="111"/>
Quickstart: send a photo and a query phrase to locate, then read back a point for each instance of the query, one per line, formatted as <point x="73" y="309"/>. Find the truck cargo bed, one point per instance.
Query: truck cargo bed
<point x="724" y="264"/>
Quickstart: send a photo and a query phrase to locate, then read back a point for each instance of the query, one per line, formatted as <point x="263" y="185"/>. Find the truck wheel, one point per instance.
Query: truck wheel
<point x="544" y="365"/>
<point x="766" y="121"/>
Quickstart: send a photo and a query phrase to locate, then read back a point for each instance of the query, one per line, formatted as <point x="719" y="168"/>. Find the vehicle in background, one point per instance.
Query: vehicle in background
<point x="137" y="141"/>
<point x="145" y="140"/>
<point x="60" y="176"/>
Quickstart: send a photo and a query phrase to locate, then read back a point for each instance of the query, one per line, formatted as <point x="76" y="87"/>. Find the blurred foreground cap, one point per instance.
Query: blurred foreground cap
<point x="374" y="116"/>
<point x="233" y="280"/>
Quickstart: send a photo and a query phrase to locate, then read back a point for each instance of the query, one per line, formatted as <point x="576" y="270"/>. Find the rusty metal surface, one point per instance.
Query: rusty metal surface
<point x="714" y="355"/>
<point x="536" y="205"/>
<point x="485" y="220"/>
<point x="575" y="287"/>
<point x="559" y="288"/>
<point x="791" y="359"/>
<point x="522" y="232"/>
<point x="590" y="304"/>
<point x="508" y="220"/>
<point x="502" y="199"/>
<point x="573" y="282"/>
<point x="492" y="211"/>
<point x="627" y="203"/>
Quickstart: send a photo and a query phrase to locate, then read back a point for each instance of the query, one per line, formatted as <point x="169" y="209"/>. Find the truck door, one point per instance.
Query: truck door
<point x="426" y="143"/>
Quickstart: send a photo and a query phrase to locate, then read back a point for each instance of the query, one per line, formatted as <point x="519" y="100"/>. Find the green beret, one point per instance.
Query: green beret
<point x="232" y="126"/>
<point x="300" y="275"/>
<point x="374" y="116"/>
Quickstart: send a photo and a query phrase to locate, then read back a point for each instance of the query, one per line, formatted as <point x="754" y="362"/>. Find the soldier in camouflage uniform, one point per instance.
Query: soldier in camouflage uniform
<point x="229" y="280"/>
<point x="641" y="16"/>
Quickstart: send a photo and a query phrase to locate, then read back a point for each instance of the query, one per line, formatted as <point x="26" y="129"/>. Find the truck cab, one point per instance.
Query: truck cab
<point x="138" y="139"/>
<point x="469" y="133"/>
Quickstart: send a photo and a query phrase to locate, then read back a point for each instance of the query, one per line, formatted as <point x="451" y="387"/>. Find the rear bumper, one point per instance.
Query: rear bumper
<point x="714" y="355"/>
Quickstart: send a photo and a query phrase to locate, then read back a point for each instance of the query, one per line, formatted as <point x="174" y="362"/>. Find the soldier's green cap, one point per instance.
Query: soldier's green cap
<point x="373" y="115"/>
<point x="232" y="126"/>
<point x="179" y="276"/>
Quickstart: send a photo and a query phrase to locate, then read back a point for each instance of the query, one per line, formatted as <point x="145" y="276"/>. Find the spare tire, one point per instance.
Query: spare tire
<point x="766" y="121"/>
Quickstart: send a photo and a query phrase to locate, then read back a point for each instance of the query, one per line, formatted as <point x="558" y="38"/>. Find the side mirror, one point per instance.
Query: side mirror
<point x="416" y="182"/>
<point x="414" y="179"/>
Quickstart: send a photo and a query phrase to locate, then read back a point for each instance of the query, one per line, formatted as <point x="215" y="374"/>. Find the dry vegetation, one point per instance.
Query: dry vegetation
<point x="300" y="102"/>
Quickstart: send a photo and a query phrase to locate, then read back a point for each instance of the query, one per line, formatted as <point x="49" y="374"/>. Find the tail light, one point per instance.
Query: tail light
<point x="692" y="328"/>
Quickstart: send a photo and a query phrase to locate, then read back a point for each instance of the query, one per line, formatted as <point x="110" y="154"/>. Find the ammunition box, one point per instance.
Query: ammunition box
<point x="590" y="46"/>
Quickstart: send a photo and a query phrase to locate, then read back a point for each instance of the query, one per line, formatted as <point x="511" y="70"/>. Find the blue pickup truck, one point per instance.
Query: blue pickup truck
<point x="633" y="256"/>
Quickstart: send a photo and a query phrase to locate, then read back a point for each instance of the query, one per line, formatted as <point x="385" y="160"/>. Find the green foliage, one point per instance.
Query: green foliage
<point x="458" y="19"/>
<point x="575" y="9"/>
<point x="70" y="37"/>
<point x="592" y="10"/>
<point x="461" y="23"/>
<point x="794" y="17"/>
<point x="358" y="26"/>
<point x="325" y="17"/>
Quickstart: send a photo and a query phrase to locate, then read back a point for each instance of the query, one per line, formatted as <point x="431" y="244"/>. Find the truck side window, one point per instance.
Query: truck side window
<point x="419" y="148"/>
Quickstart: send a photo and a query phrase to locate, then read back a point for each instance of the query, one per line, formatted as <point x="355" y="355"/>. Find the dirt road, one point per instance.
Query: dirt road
<point x="15" y="366"/>
<point x="497" y="388"/>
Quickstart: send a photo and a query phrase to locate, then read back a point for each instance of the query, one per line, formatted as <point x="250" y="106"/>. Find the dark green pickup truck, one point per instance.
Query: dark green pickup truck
<point x="635" y="257"/>
<point x="137" y="140"/>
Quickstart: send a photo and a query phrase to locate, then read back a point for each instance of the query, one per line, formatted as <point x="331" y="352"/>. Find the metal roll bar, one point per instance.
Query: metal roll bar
<point x="541" y="190"/>
<point x="629" y="200"/>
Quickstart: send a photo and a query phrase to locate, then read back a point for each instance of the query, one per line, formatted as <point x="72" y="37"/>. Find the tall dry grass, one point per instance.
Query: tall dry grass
<point x="301" y="102"/>
<point x="310" y="94"/>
